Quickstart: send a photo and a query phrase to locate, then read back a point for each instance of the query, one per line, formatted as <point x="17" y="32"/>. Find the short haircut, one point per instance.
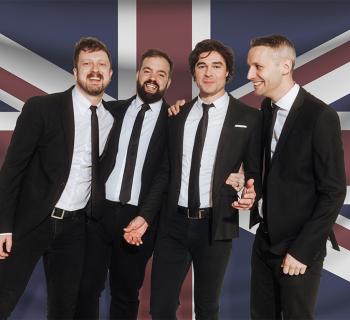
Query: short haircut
<point x="150" y="53"/>
<point x="210" y="45"/>
<point x="275" y="41"/>
<point x="89" y="44"/>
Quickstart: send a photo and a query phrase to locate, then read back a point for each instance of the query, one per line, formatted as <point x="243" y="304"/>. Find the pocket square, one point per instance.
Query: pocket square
<point x="240" y="126"/>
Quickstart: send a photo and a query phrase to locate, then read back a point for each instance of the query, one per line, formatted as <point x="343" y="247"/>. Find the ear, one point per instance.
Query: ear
<point x="110" y="72"/>
<point x="168" y="84"/>
<point x="137" y="75"/>
<point x="287" y="66"/>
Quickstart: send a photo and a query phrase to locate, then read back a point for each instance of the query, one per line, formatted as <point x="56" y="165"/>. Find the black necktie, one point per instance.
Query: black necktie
<point x="94" y="156"/>
<point x="193" y="186"/>
<point x="125" y="191"/>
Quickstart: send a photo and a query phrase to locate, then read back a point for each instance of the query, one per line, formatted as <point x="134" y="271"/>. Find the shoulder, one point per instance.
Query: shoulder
<point x="117" y="106"/>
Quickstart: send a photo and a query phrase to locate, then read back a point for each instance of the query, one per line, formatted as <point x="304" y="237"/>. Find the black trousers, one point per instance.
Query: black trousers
<point x="61" y="243"/>
<point x="188" y="241"/>
<point x="275" y="295"/>
<point x="107" y="250"/>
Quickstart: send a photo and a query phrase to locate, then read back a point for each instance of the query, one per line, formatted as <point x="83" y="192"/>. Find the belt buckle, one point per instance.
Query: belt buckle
<point x="56" y="215"/>
<point x="200" y="211"/>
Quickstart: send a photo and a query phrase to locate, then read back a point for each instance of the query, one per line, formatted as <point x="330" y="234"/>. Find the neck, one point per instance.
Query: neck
<point x="94" y="100"/>
<point x="210" y="98"/>
<point x="282" y="90"/>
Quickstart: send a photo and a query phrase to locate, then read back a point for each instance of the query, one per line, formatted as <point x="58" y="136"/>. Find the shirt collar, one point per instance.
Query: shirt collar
<point x="288" y="99"/>
<point x="81" y="102"/>
<point x="223" y="100"/>
<point x="153" y="106"/>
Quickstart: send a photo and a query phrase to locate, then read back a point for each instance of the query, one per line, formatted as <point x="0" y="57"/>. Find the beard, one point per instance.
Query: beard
<point x="149" y="97"/>
<point x="90" y="89"/>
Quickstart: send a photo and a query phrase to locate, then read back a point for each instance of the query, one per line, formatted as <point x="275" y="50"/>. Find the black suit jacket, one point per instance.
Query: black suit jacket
<point x="155" y="151"/>
<point x="236" y="145"/>
<point x="305" y="187"/>
<point x="37" y="163"/>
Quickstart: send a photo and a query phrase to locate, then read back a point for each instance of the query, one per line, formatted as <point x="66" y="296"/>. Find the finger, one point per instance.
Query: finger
<point x="285" y="268"/>
<point x="291" y="271"/>
<point x="8" y="245"/>
<point x="250" y="183"/>
<point x="302" y="270"/>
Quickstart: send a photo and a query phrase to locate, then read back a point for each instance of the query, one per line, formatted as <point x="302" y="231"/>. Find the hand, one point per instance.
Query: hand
<point x="292" y="266"/>
<point x="236" y="180"/>
<point x="135" y="230"/>
<point x="175" y="108"/>
<point x="248" y="197"/>
<point x="5" y="246"/>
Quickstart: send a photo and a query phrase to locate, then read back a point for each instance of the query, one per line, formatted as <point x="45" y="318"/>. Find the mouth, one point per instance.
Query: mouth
<point x="257" y="84"/>
<point x="151" y="86"/>
<point x="94" y="78"/>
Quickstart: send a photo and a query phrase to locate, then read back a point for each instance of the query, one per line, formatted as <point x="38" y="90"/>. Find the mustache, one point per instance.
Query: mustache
<point x="94" y="74"/>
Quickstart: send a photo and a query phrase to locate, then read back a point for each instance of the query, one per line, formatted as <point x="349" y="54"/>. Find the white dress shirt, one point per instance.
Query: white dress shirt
<point x="76" y="193"/>
<point x="284" y="105"/>
<point x="114" y="182"/>
<point x="216" y="117"/>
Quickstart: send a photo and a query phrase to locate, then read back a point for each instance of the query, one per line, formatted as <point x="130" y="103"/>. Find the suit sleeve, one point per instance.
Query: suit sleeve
<point x="330" y="178"/>
<point x="154" y="199"/>
<point x="252" y="164"/>
<point x="22" y="146"/>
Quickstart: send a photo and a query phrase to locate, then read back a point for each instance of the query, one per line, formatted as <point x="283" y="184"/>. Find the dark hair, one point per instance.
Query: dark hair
<point x="89" y="44"/>
<point x="157" y="53"/>
<point x="210" y="45"/>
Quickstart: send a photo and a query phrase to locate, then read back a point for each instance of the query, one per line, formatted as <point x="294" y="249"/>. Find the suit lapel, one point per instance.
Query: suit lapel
<point x="67" y="118"/>
<point x="288" y="125"/>
<point x="224" y="148"/>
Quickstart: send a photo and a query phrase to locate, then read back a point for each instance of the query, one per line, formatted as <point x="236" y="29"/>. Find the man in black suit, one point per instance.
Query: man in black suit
<point x="303" y="185"/>
<point x="45" y="184"/>
<point x="211" y="137"/>
<point x="134" y="152"/>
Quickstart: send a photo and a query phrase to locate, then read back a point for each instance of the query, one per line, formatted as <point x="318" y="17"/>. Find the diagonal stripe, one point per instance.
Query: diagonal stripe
<point x="346" y="147"/>
<point x="11" y="101"/>
<point x="17" y="87"/>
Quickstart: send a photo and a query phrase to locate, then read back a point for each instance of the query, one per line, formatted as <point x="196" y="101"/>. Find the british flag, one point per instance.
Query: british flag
<point x="36" y="44"/>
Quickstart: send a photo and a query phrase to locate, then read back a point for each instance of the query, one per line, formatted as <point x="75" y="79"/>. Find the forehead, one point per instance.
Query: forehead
<point x="211" y="57"/>
<point x="93" y="55"/>
<point x="156" y="63"/>
<point x="260" y="54"/>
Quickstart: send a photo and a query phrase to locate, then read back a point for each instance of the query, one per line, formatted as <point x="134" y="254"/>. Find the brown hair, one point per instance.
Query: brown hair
<point x="89" y="44"/>
<point x="157" y="53"/>
<point x="210" y="45"/>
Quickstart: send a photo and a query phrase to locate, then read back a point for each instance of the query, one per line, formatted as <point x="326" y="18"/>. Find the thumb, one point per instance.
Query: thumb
<point x="8" y="244"/>
<point x="250" y="183"/>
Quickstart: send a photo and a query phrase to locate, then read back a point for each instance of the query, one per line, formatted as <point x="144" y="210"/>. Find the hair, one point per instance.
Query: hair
<point x="89" y="44"/>
<point x="275" y="41"/>
<point x="210" y="45"/>
<point x="157" y="53"/>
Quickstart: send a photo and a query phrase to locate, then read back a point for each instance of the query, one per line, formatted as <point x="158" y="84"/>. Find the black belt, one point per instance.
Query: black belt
<point x="201" y="213"/>
<point x="60" y="214"/>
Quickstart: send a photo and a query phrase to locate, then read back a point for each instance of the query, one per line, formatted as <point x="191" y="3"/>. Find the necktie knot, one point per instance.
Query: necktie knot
<point x="145" y="107"/>
<point x="206" y="107"/>
<point x="93" y="109"/>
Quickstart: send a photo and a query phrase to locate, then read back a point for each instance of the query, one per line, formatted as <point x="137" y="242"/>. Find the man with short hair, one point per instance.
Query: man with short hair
<point x="134" y="152"/>
<point x="211" y="137"/>
<point x="45" y="184"/>
<point x="303" y="185"/>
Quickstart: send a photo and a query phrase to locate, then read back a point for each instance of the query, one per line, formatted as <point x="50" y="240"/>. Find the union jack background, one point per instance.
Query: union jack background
<point x="36" y="46"/>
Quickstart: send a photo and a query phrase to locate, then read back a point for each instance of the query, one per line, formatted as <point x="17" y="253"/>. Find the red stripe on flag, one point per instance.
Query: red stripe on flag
<point x="5" y="137"/>
<point x="159" y="24"/>
<point x="311" y="70"/>
<point x="17" y="87"/>
<point x="343" y="236"/>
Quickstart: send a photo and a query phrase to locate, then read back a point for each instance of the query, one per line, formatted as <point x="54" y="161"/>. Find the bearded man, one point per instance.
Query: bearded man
<point x="45" y="184"/>
<point x="134" y="152"/>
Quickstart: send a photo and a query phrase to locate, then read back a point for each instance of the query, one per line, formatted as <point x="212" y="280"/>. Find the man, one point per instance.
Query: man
<point x="135" y="149"/>
<point x="45" y="184"/>
<point x="210" y="138"/>
<point x="303" y="185"/>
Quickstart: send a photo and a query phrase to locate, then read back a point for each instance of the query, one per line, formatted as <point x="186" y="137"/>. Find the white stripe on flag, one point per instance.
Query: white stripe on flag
<point x="344" y="120"/>
<point x="126" y="48"/>
<point x="201" y="19"/>
<point x="332" y="86"/>
<point x="8" y="120"/>
<point x="11" y="101"/>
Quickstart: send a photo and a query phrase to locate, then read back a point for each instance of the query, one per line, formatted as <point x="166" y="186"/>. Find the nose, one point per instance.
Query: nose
<point x="208" y="72"/>
<point x="251" y="73"/>
<point x="95" y="67"/>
